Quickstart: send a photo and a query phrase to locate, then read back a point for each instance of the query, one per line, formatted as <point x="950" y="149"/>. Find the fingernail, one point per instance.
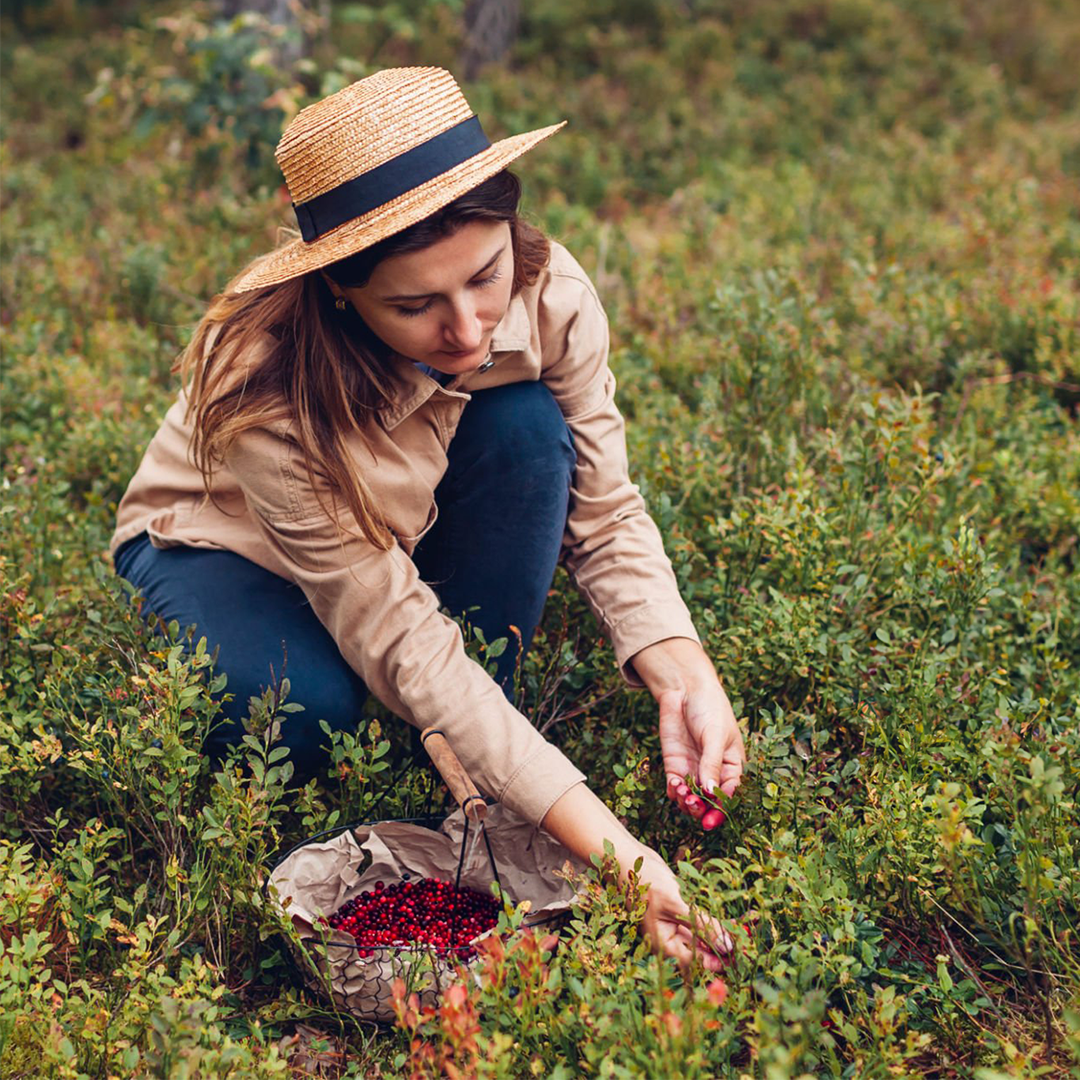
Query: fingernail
<point x="709" y="786"/>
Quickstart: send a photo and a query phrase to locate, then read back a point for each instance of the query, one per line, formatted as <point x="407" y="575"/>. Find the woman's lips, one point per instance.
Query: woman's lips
<point x="458" y="355"/>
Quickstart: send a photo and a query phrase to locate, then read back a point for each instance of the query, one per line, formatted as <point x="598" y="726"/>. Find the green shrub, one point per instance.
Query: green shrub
<point x="838" y="246"/>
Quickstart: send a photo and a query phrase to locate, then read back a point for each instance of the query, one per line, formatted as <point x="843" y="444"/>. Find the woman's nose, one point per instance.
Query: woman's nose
<point x="464" y="329"/>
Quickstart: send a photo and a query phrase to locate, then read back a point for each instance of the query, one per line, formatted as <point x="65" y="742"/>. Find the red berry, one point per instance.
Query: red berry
<point x="427" y="911"/>
<point x="712" y="818"/>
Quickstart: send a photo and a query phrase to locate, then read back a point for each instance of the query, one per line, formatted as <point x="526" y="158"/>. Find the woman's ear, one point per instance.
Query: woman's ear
<point x="331" y="284"/>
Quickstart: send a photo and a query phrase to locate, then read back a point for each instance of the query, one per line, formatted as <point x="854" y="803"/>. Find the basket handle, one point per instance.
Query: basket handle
<point x="453" y="773"/>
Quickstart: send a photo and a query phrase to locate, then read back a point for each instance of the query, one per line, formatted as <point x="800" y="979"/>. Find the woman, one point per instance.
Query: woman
<point x="411" y="406"/>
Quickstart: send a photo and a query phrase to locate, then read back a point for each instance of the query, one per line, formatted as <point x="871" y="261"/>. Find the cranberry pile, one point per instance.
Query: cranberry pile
<point x="428" y="911"/>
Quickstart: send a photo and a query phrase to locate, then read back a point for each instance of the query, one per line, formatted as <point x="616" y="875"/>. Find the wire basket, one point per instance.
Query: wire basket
<point x="473" y="847"/>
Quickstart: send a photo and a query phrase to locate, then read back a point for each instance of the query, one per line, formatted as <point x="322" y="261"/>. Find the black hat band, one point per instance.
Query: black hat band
<point x="395" y="177"/>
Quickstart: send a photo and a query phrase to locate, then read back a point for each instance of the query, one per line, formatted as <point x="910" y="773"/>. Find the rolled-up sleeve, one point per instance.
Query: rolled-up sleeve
<point x="612" y="547"/>
<point x="387" y="624"/>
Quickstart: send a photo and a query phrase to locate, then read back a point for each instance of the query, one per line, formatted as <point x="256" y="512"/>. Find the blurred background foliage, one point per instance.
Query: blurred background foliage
<point x="839" y="244"/>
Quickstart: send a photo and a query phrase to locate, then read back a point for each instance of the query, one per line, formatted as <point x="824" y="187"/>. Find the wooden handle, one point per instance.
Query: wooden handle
<point x="453" y="772"/>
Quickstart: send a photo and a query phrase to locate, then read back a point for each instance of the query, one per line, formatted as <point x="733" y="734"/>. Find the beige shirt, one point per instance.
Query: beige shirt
<point x="384" y="619"/>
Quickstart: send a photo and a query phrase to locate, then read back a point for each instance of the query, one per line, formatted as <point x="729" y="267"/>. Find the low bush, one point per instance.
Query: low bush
<point x="838" y="244"/>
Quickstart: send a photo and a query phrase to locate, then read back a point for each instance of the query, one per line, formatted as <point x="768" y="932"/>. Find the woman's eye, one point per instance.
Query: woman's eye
<point x="489" y="280"/>
<point x="480" y="283"/>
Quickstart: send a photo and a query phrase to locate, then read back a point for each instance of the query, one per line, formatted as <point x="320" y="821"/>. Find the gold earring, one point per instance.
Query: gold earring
<point x="339" y="303"/>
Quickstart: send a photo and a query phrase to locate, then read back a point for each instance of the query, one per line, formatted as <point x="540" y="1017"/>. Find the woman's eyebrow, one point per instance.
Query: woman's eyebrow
<point x="423" y="296"/>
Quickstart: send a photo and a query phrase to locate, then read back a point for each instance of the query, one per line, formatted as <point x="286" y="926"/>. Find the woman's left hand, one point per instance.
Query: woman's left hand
<point x="699" y="736"/>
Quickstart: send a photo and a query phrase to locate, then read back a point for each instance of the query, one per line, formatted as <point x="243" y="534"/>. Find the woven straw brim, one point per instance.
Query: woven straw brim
<point x="300" y="257"/>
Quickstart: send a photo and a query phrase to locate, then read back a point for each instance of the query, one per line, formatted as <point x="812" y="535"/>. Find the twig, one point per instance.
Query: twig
<point x="965" y="966"/>
<point x="579" y="710"/>
<point x="1004" y="963"/>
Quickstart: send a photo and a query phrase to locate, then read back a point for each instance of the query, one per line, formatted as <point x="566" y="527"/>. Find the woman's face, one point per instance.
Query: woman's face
<point x="440" y="305"/>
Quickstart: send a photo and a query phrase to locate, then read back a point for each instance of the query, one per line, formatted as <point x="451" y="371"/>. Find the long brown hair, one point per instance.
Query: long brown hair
<point x="285" y="353"/>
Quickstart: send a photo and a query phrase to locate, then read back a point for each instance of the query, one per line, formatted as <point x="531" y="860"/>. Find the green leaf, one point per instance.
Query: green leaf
<point x="188" y="695"/>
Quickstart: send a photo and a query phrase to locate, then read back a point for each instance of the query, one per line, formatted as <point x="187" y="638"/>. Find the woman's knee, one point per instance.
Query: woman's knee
<point x="518" y="426"/>
<point x="325" y="693"/>
<point x="263" y="630"/>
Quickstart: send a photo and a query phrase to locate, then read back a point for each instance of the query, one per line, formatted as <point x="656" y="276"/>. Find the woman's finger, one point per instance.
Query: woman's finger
<point x="677" y="791"/>
<point x="674" y="944"/>
<point x="673" y="789"/>
<point x="712" y="758"/>
<point x="674" y="909"/>
<point x="730" y="776"/>
<point x="685" y="948"/>
<point x="709" y="930"/>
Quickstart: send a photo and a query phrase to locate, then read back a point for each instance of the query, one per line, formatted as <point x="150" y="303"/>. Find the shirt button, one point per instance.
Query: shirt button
<point x="485" y="365"/>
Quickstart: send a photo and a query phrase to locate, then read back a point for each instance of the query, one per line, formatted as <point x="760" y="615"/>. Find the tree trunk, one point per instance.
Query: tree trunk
<point x="490" y="31"/>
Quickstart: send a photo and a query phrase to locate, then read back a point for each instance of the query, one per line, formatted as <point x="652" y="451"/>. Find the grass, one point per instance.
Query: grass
<point x="839" y="244"/>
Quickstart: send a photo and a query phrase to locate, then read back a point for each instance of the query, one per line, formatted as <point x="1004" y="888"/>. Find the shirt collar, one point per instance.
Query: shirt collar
<point x="514" y="330"/>
<point x="413" y="388"/>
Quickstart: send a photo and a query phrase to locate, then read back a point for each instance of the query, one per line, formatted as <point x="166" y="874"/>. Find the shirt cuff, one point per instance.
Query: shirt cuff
<point x="647" y="626"/>
<point x="539" y="782"/>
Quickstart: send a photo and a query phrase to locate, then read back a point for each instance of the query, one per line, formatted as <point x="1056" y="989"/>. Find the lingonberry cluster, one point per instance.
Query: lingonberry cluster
<point x="429" y="912"/>
<point x="701" y="807"/>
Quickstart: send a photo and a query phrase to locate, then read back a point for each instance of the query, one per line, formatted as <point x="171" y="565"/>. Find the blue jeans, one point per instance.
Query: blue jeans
<point x="502" y="511"/>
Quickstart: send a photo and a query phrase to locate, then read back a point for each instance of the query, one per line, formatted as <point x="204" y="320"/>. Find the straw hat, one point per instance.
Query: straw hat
<point x="375" y="158"/>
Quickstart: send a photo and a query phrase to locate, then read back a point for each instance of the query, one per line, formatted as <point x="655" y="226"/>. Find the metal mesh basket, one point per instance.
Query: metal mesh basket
<point x="320" y="874"/>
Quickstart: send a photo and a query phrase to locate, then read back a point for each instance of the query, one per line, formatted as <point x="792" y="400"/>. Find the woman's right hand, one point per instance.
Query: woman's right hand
<point x="581" y="822"/>
<point x="669" y="926"/>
